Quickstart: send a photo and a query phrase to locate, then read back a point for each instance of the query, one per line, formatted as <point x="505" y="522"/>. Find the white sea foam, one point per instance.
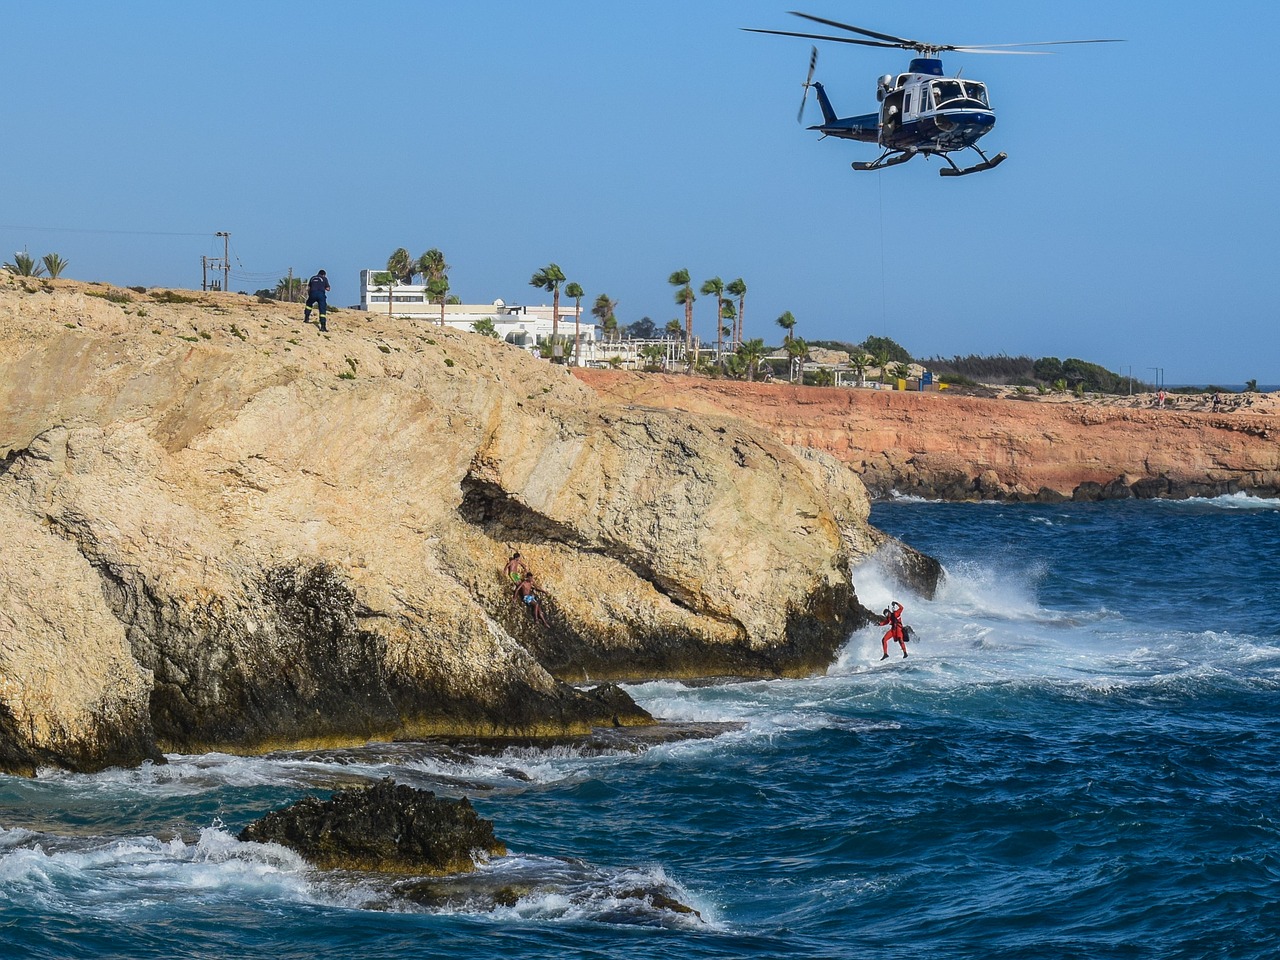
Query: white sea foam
<point x="127" y="877"/>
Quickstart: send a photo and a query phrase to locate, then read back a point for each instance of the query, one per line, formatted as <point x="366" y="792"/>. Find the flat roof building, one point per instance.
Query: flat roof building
<point x="519" y="324"/>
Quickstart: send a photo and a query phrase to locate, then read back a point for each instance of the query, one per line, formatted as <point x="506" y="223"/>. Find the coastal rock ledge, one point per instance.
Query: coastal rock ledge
<point x="224" y="530"/>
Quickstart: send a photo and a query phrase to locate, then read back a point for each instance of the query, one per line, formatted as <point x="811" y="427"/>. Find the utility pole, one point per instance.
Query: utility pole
<point x="204" y="272"/>
<point x="226" y="259"/>
<point x="289" y="287"/>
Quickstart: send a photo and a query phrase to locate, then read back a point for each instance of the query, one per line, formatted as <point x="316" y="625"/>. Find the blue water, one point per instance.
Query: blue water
<point x="1079" y="759"/>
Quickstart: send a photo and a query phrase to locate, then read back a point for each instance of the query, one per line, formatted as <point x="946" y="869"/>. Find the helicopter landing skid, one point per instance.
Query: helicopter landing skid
<point x="954" y="171"/>
<point x="887" y="159"/>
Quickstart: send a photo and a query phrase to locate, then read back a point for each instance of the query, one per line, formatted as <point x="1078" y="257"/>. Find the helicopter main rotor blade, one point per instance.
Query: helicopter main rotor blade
<point x="896" y="41"/>
<point x="818" y="36"/>
<point x="808" y="82"/>
<point x="990" y="47"/>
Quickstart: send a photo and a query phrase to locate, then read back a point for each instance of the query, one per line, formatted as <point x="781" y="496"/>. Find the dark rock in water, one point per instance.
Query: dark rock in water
<point x="1087" y="492"/>
<point x="590" y="892"/>
<point x="387" y="828"/>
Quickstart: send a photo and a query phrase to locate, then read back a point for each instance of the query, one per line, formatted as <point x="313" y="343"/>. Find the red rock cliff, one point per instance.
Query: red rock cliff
<point x="958" y="447"/>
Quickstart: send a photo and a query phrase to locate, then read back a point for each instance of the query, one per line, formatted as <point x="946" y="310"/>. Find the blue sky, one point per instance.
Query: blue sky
<point x="1132" y="225"/>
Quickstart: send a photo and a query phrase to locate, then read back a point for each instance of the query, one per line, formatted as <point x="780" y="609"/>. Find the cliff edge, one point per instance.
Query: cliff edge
<point x="223" y="529"/>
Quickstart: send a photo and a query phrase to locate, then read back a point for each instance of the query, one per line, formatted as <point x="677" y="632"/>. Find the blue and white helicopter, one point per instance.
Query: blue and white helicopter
<point x="921" y="111"/>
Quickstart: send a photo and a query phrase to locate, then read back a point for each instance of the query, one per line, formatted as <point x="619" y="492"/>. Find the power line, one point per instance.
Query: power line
<point x="132" y="233"/>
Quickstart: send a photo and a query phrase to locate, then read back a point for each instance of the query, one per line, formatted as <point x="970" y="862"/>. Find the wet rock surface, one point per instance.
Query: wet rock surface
<point x="386" y="828"/>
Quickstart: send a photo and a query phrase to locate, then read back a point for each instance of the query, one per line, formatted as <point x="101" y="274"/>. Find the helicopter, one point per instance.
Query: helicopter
<point x="922" y="111"/>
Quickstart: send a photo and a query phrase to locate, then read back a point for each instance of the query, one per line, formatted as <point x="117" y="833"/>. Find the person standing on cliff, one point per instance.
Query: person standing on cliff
<point x="893" y="620"/>
<point x="317" y="295"/>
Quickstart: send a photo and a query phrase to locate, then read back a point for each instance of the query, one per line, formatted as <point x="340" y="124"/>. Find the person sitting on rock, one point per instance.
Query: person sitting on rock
<point x="893" y="619"/>
<point x="526" y="592"/>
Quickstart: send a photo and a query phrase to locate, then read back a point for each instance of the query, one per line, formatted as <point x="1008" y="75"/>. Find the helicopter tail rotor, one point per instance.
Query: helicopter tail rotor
<point x="808" y="82"/>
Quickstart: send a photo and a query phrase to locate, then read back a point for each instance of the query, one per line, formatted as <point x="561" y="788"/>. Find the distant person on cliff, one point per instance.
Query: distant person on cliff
<point x="515" y="571"/>
<point x="893" y="620"/>
<point x="528" y="595"/>
<point x="317" y="295"/>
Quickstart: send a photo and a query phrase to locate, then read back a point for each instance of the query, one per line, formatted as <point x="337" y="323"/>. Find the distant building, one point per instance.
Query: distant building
<point x="524" y="326"/>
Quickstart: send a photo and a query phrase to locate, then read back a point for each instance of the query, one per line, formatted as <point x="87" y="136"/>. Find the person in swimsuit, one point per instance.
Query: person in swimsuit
<point x="526" y="594"/>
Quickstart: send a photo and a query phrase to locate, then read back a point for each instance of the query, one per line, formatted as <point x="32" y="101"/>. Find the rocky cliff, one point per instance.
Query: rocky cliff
<point x="222" y="529"/>
<point x="954" y="447"/>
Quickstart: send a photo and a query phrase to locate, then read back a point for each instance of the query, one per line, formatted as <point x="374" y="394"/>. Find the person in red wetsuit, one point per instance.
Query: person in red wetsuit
<point x="893" y="620"/>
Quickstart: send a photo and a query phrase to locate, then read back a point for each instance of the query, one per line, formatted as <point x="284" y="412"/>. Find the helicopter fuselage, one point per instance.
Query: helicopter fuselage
<point x="921" y="111"/>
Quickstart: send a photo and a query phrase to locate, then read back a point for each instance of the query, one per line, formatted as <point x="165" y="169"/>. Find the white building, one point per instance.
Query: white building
<point x="524" y="326"/>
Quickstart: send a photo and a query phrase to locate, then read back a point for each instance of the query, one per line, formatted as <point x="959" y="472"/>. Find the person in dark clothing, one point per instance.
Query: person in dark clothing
<point x="317" y="295"/>
<point x="893" y="620"/>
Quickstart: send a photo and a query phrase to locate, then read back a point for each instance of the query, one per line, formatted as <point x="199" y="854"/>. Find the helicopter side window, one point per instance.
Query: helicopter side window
<point x="910" y="98"/>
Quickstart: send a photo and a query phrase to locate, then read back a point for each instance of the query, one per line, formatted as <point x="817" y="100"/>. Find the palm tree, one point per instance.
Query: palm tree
<point x="603" y="311"/>
<point x="24" y="265"/>
<point x="727" y="312"/>
<point x="388" y="279"/>
<point x="438" y="292"/>
<point x="401" y="264"/>
<point x="549" y="278"/>
<point x="684" y="294"/>
<point x="288" y="288"/>
<point x="882" y="359"/>
<point x="431" y="265"/>
<point x="796" y="350"/>
<point x="738" y="288"/>
<point x="860" y="361"/>
<point x="575" y="290"/>
<point x="672" y="329"/>
<point x="54" y="264"/>
<point x="751" y="353"/>
<point x="715" y="287"/>
<point x="788" y="323"/>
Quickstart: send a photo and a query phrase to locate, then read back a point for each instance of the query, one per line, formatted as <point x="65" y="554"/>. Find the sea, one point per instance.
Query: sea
<point x="1080" y="758"/>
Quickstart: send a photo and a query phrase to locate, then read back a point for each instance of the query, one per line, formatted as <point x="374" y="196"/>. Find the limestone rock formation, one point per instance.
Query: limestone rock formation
<point x="230" y="531"/>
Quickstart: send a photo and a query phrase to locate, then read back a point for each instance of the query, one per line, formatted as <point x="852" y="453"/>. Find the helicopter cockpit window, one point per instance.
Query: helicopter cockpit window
<point x="976" y="91"/>
<point x="944" y="91"/>
<point x="958" y="93"/>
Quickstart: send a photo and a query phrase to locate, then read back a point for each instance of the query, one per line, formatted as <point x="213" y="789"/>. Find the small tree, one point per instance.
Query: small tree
<point x="549" y="278"/>
<point x="54" y="264"/>
<point x="438" y="292"/>
<point x="401" y="264"/>
<point x="860" y="363"/>
<point x="24" y="265"/>
<point x="738" y="288"/>
<point x="652" y="355"/>
<point x="796" y="349"/>
<point x="289" y="288"/>
<point x="431" y="265"/>
<point x="751" y="353"/>
<point x="387" y="279"/>
<point x="684" y="295"/>
<point x="673" y="328"/>
<point x="485" y="327"/>
<point x="788" y="323"/>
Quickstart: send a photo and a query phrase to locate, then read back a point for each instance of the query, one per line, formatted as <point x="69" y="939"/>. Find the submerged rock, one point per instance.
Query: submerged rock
<point x="386" y="828"/>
